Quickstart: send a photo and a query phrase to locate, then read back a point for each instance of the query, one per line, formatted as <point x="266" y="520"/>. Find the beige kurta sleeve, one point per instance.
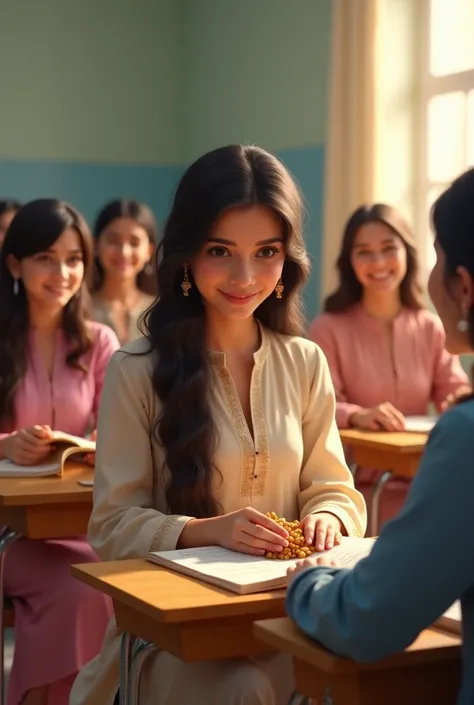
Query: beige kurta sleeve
<point x="124" y="521"/>
<point x="326" y="482"/>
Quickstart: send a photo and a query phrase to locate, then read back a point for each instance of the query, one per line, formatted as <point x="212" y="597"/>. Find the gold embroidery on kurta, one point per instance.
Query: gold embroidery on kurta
<point x="159" y="537"/>
<point x="255" y="454"/>
<point x="246" y="443"/>
<point x="260" y="430"/>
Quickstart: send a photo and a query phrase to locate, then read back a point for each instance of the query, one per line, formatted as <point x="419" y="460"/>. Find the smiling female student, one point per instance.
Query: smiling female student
<point x="125" y="235"/>
<point x="385" y="350"/>
<point x="422" y="562"/>
<point x="52" y="368"/>
<point x="221" y="414"/>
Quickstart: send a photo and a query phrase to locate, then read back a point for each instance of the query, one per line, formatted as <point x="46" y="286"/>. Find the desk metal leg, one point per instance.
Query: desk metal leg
<point x="354" y="468"/>
<point x="374" y="512"/>
<point x="126" y="653"/>
<point x="141" y="650"/>
<point x="7" y="537"/>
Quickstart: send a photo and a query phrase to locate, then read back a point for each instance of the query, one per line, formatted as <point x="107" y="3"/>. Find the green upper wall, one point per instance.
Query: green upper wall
<point x="255" y="71"/>
<point x="160" y="81"/>
<point x="92" y="81"/>
<point x="103" y="98"/>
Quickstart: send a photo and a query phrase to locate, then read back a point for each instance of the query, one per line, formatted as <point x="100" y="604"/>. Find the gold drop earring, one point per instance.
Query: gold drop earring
<point x="279" y="289"/>
<point x="186" y="284"/>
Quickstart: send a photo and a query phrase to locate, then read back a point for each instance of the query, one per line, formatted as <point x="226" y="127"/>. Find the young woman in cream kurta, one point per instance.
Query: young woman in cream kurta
<point x="269" y="395"/>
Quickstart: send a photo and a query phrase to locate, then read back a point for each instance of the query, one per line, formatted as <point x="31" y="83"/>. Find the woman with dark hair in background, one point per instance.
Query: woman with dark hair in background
<point x="221" y="414"/>
<point x="8" y="209"/>
<point x="52" y="367"/>
<point x="422" y="562"/>
<point x="385" y="350"/>
<point x="125" y="234"/>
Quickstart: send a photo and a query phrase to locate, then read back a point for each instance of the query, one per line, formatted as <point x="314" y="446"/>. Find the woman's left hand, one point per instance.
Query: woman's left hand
<point x="305" y="563"/>
<point x="322" y="530"/>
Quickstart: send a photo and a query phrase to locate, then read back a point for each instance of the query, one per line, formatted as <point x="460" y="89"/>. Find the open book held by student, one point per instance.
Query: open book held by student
<point x="65" y="446"/>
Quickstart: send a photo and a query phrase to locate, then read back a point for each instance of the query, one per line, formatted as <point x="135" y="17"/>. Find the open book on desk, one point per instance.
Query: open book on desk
<point x="451" y="620"/>
<point x="244" y="574"/>
<point x="65" y="446"/>
<point x="420" y="424"/>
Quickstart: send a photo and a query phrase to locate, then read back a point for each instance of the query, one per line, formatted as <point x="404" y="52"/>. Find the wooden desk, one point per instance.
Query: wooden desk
<point x="41" y="508"/>
<point x="185" y="617"/>
<point x="47" y="507"/>
<point x="429" y="671"/>
<point x="398" y="452"/>
<point x="392" y="453"/>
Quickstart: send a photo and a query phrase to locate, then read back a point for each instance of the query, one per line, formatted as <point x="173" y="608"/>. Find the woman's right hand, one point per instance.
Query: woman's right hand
<point x="382" y="417"/>
<point x="28" y="445"/>
<point x="249" y="531"/>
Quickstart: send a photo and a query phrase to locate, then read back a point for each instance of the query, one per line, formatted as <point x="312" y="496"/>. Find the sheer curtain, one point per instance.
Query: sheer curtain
<point x="353" y="122"/>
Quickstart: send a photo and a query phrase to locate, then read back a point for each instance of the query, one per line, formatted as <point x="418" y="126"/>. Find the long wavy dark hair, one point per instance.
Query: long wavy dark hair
<point x="349" y="290"/>
<point x="175" y="325"/>
<point x="142" y="216"/>
<point x="453" y="223"/>
<point x="34" y="229"/>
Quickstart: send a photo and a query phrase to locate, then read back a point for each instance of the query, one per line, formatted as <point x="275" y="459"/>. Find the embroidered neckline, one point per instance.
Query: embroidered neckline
<point x="255" y="454"/>
<point x="219" y="358"/>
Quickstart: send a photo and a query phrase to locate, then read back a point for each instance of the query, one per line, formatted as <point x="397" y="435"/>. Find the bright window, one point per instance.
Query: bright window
<point x="447" y="103"/>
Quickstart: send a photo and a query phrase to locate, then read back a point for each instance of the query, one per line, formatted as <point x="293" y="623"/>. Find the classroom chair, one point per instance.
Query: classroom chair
<point x="138" y="650"/>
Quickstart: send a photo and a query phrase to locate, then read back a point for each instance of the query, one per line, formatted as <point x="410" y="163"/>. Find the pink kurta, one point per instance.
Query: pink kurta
<point x="366" y="371"/>
<point x="59" y="622"/>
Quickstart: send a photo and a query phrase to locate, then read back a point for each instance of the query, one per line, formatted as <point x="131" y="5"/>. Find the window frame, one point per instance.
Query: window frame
<point x="430" y="86"/>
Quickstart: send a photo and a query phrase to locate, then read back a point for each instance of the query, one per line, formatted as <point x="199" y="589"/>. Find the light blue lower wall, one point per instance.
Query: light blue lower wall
<point x="89" y="186"/>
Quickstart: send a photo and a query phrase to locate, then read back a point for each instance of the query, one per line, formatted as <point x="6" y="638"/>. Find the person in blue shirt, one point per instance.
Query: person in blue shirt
<point x="423" y="560"/>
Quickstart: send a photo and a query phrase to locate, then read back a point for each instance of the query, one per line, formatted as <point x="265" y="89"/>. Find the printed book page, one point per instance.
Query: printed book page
<point x="68" y="446"/>
<point x="67" y="438"/>
<point x="451" y="620"/>
<point x="420" y="424"/>
<point x="243" y="570"/>
<point x="51" y="466"/>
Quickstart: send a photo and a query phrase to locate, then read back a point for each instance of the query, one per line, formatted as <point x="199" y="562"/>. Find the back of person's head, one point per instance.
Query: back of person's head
<point x="350" y="289"/>
<point x="228" y="182"/>
<point x="9" y="207"/>
<point x="451" y="285"/>
<point x="36" y="230"/>
<point x="125" y="223"/>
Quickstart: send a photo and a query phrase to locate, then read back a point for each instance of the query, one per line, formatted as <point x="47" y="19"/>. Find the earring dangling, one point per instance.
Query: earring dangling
<point x="148" y="269"/>
<point x="16" y="287"/>
<point x="186" y="284"/>
<point x="279" y="289"/>
<point x="462" y="325"/>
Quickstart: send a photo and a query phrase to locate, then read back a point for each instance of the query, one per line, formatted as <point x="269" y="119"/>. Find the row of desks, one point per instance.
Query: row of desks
<point x="195" y="621"/>
<point x="55" y="507"/>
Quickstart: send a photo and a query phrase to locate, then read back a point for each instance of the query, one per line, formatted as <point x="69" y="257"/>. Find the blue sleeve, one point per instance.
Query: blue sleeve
<point x="421" y="563"/>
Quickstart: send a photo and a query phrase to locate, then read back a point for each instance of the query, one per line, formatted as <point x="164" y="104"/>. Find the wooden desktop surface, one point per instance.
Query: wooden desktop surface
<point x="428" y="671"/>
<point x="398" y="452"/>
<point x="193" y="620"/>
<point x="48" y="507"/>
